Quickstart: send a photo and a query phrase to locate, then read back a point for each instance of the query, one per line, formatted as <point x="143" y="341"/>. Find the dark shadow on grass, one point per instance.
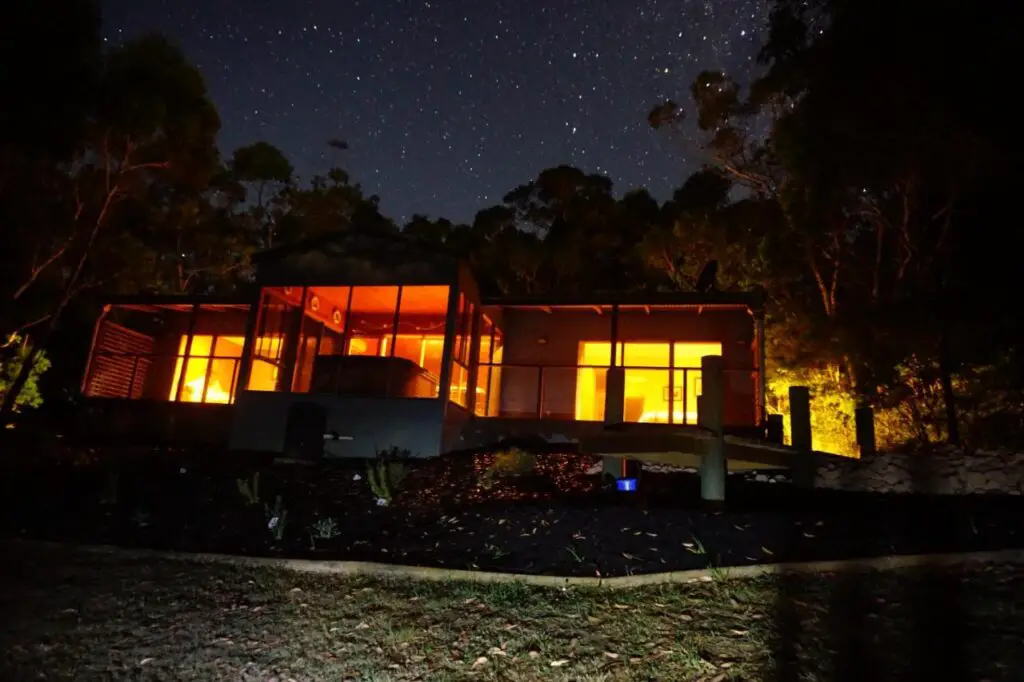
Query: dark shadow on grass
<point x="903" y="625"/>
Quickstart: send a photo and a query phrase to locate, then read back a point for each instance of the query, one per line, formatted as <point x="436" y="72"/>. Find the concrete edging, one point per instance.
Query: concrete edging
<point x="377" y="570"/>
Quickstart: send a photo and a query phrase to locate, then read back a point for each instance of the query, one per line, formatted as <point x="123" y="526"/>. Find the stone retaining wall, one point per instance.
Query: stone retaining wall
<point x="949" y="472"/>
<point x="941" y="472"/>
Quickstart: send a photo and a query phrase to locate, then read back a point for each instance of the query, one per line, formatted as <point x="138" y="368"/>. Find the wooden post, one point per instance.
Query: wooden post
<point x="614" y="405"/>
<point x="802" y="464"/>
<point x="710" y="416"/>
<point x="864" y="418"/>
<point x="775" y="429"/>
<point x="614" y="396"/>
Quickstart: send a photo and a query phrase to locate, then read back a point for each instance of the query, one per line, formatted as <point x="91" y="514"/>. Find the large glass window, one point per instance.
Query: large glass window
<point x="372" y="320"/>
<point x="662" y="380"/>
<point x="485" y="345"/>
<point x="278" y="307"/>
<point x="591" y="381"/>
<point x="381" y="341"/>
<point x="210" y="369"/>
<point x="419" y="337"/>
<point x="175" y="352"/>
<point x="458" y="390"/>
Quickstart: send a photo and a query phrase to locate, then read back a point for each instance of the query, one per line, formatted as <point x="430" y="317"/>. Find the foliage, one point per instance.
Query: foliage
<point x="14" y="355"/>
<point x="514" y="462"/>
<point x="386" y="473"/>
<point x="323" y="529"/>
<point x="511" y="461"/>
<point x="871" y="214"/>
<point x="832" y="407"/>
<point x="249" y="489"/>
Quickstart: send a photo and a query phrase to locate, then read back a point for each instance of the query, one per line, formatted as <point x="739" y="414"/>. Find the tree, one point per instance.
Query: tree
<point x="263" y="168"/>
<point x="152" y="123"/>
<point x="10" y="367"/>
<point x="883" y="148"/>
<point x="865" y="199"/>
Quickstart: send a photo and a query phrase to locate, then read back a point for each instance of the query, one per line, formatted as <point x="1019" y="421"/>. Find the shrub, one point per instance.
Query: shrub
<point x="386" y="473"/>
<point x="514" y="462"/>
<point x="249" y="489"/>
<point x="13" y="354"/>
<point x="511" y="461"/>
<point x="325" y="528"/>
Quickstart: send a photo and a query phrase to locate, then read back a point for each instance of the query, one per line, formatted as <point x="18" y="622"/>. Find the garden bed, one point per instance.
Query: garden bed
<point x="454" y="512"/>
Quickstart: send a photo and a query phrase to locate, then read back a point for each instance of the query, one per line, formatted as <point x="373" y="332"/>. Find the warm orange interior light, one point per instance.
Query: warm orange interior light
<point x="213" y="366"/>
<point x="651" y="393"/>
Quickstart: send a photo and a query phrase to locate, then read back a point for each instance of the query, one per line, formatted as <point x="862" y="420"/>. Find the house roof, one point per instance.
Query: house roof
<point x="754" y="300"/>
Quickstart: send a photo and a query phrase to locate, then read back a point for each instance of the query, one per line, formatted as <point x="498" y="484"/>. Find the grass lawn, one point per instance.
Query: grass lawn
<point x="69" y="616"/>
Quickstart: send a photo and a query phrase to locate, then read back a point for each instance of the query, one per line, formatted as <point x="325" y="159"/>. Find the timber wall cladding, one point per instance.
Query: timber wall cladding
<point x="120" y="363"/>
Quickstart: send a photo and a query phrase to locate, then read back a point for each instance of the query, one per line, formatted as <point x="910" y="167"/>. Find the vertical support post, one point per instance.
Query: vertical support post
<point x="762" y="363"/>
<point x="448" y="351"/>
<point x="864" y="419"/>
<point x="473" y="370"/>
<point x="802" y="462"/>
<point x="710" y="416"/>
<point x="614" y="396"/>
<point x="290" y="343"/>
<point x="775" y="429"/>
<point x="193" y="317"/>
<point x="249" y="347"/>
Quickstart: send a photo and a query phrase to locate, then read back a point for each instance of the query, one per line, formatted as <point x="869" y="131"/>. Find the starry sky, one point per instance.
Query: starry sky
<point x="449" y="104"/>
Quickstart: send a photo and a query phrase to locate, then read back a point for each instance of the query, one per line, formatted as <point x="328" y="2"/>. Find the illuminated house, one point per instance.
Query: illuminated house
<point x="348" y="349"/>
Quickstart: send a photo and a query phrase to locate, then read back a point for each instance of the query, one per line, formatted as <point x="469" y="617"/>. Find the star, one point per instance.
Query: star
<point x="449" y="107"/>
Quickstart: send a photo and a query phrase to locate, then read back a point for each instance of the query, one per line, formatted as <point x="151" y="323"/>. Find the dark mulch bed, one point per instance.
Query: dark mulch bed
<point x="558" y="520"/>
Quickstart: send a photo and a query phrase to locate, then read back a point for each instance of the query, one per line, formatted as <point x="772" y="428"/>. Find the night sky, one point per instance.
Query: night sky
<point x="449" y="104"/>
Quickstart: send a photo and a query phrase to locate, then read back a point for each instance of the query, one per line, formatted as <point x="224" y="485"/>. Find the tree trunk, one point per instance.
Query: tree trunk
<point x="7" y="408"/>
<point x="946" y="361"/>
<point x="948" y="395"/>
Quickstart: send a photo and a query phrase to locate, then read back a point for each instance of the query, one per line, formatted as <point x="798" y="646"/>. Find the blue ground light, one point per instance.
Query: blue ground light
<point x="626" y="485"/>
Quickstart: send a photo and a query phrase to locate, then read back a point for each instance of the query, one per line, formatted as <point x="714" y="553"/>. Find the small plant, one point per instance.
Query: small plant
<point x="717" y="573"/>
<point x="577" y="557"/>
<point x="514" y="462"/>
<point x="386" y="474"/>
<point x="695" y="547"/>
<point x="277" y="519"/>
<point x="494" y="552"/>
<point x="250" y="489"/>
<point x="323" y="529"/>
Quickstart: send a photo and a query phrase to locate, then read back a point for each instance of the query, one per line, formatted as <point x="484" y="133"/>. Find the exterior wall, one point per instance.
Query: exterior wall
<point x="119" y="422"/>
<point x="260" y="420"/>
<point x="536" y="337"/>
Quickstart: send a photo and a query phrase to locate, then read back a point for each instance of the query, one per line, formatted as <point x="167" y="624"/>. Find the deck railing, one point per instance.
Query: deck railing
<point x="574" y="392"/>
